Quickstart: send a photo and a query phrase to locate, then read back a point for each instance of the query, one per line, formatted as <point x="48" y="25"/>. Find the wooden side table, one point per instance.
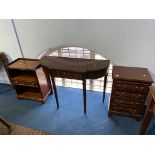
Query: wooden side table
<point x="129" y="91"/>
<point x="150" y="111"/>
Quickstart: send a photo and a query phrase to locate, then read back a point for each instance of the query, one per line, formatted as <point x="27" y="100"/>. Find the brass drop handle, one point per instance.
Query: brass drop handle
<point x="142" y="88"/>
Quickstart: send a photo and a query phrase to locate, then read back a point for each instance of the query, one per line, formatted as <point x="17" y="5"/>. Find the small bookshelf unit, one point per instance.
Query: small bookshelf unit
<point x="29" y="79"/>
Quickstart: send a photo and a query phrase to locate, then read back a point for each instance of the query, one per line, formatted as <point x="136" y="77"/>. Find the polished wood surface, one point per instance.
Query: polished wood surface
<point x="29" y="79"/>
<point x="75" y="68"/>
<point x="74" y="64"/>
<point x="129" y="91"/>
<point x="26" y="64"/>
<point x="135" y="74"/>
<point x="150" y="111"/>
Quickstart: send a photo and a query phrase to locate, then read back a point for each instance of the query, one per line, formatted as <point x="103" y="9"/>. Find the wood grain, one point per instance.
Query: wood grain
<point x="19" y="130"/>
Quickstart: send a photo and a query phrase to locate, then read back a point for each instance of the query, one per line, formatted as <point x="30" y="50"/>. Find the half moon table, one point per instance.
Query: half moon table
<point x="75" y="68"/>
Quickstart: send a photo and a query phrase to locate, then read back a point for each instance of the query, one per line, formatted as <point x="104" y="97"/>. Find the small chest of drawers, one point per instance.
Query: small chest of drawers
<point x="129" y="91"/>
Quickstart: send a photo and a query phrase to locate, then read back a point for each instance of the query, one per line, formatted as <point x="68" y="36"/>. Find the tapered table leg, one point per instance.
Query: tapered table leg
<point x="104" y="88"/>
<point x="55" y="91"/>
<point x="84" y="94"/>
<point x="4" y="122"/>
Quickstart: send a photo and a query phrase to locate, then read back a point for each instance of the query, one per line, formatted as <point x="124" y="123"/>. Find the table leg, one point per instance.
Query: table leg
<point x="55" y="92"/>
<point x="104" y="88"/>
<point x="84" y="94"/>
<point x="5" y="122"/>
<point x="147" y="118"/>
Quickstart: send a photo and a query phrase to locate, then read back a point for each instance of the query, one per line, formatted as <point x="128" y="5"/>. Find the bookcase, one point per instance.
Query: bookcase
<point x="29" y="79"/>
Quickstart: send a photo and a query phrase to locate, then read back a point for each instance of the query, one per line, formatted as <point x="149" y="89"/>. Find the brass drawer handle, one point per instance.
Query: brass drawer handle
<point x="142" y="88"/>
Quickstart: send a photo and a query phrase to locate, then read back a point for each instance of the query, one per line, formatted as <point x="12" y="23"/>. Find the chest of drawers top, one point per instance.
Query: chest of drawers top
<point x="134" y="74"/>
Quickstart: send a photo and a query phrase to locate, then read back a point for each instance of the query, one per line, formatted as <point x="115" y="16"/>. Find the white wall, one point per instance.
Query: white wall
<point x="38" y="35"/>
<point x="124" y="42"/>
<point x="8" y="44"/>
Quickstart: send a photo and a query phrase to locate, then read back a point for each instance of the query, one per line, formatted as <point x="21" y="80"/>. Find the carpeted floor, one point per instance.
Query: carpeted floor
<point x="69" y="119"/>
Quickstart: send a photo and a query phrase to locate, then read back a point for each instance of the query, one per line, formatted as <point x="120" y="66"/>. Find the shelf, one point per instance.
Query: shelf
<point x="25" y="80"/>
<point x="30" y="94"/>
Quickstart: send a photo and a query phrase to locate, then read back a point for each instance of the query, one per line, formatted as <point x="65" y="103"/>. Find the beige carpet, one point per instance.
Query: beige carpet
<point x="19" y="130"/>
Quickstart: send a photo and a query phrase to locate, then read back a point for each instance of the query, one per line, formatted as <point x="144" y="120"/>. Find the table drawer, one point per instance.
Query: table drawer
<point x="128" y="95"/>
<point x="67" y="74"/>
<point x="131" y="86"/>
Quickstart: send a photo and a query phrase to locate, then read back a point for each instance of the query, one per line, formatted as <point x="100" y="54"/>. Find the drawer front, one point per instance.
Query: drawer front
<point x="26" y="83"/>
<point x="127" y="110"/>
<point x="66" y="74"/>
<point x="131" y="86"/>
<point x="128" y="95"/>
<point x="129" y="103"/>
